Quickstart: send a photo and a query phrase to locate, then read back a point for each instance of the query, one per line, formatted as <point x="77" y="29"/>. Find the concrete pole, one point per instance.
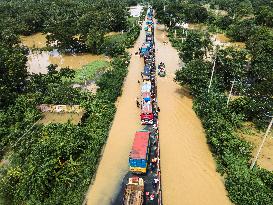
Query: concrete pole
<point x="212" y="72"/>
<point x="230" y="92"/>
<point x="213" y="68"/>
<point x="260" y="148"/>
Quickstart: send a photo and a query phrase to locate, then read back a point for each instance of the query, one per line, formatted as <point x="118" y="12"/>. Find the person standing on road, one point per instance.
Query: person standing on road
<point x="137" y="102"/>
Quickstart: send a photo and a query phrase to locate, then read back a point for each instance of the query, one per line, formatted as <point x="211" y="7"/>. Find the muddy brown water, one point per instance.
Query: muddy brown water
<point x="37" y="40"/>
<point x="188" y="170"/>
<point x="114" y="162"/>
<point x="39" y="60"/>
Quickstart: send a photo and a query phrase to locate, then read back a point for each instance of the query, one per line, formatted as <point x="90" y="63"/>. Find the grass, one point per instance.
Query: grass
<point x="89" y="71"/>
<point x="49" y="117"/>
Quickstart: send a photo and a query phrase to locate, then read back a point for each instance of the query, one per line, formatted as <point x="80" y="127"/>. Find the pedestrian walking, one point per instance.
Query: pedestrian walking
<point x="137" y="102"/>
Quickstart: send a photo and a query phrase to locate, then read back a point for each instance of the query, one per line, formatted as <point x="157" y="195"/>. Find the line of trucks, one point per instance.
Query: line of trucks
<point x="143" y="186"/>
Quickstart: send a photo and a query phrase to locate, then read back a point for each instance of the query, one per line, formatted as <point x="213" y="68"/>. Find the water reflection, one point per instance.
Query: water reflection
<point x="39" y="60"/>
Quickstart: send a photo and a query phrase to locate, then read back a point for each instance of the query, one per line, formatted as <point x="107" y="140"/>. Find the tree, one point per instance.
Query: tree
<point x="13" y="73"/>
<point x="195" y="13"/>
<point x="244" y="8"/>
<point x="195" y="46"/>
<point x="264" y="16"/>
<point x="231" y="65"/>
<point x="196" y="75"/>
<point x="241" y="29"/>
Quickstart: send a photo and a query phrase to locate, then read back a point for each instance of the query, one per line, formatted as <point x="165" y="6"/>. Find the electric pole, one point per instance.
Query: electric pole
<point x="261" y="145"/>
<point x="230" y="92"/>
<point x="213" y="68"/>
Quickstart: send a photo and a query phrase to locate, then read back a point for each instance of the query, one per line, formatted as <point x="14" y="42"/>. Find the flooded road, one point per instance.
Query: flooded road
<point x="189" y="174"/>
<point x="114" y="163"/>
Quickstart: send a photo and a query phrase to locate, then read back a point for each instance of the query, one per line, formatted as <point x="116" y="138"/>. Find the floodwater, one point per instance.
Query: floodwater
<point x="222" y="40"/>
<point x="39" y="60"/>
<point x="114" y="162"/>
<point x="37" y="40"/>
<point x="197" y="26"/>
<point x="188" y="170"/>
<point x="51" y="117"/>
<point x="189" y="174"/>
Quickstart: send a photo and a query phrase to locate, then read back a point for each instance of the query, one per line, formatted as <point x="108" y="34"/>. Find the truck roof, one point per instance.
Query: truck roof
<point x="147" y="70"/>
<point x="146" y="95"/>
<point x="140" y="144"/>
<point x="147" y="108"/>
<point x="146" y="87"/>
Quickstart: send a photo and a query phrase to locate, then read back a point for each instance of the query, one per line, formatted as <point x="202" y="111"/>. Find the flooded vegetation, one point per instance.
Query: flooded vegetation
<point x="196" y="26"/>
<point x="39" y="60"/>
<point x="222" y="39"/>
<point x="49" y="117"/>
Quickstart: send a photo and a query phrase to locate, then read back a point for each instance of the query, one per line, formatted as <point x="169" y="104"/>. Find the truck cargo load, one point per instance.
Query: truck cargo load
<point x="134" y="191"/>
<point x="147" y="70"/>
<point x="138" y="158"/>
<point x="146" y="87"/>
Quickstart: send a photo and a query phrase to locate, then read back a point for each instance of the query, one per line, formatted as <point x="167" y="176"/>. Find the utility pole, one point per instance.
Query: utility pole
<point x="230" y="92"/>
<point x="213" y="68"/>
<point x="260" y="148"/>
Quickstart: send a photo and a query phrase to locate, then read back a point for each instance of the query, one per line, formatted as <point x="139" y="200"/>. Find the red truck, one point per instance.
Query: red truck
<point x="147" y="115"/>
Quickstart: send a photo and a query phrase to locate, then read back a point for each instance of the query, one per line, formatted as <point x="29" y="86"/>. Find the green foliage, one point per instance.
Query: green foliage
<point x="233" y="64"/>
<point x="264" y="16"/>
<point x="223" y="22"/>
<point x="181" y="11"/>
<point x="241" y="29"/>
<point x="114" y="45"/>
<point x="196" y="46"/>
<point x="88" y="72"/>
<point x="13" y="73"/>
<point x="54" y="164"/>
<point x="195" y="74"/>
<point x="111" y="82"/>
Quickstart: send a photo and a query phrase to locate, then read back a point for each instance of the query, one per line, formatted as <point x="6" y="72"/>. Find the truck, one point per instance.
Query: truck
<point x="147" y="116"/>
<point x="161" y="70"/>
<point x="145" y="48"/>
<point x="149" y="22"/>
<point x="146" y="87"/>
<point x="146" y="97"/>
<point x="138" y="158"/>
<point x="134" y="191"/>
